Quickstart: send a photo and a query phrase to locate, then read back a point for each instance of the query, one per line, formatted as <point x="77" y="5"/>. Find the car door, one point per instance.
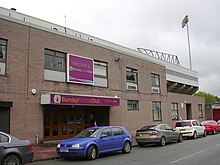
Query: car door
<point x="173" y="134"/>
<point x="105" y="142"/>
<point x="4" y="140"/>
<point x="217" y="126"/>
<point x="118" y="138"/>
<point x="198" y="127"/>
<point x="164" y="132"/>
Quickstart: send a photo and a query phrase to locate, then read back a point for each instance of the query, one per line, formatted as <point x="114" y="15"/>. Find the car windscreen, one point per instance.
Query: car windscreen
<point x="89" y="133"/>
<point x="182" y="124"/>
<point x="148" y="127"/>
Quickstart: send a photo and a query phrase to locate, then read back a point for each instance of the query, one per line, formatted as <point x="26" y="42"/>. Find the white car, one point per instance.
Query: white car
<point x="191" y="128"/>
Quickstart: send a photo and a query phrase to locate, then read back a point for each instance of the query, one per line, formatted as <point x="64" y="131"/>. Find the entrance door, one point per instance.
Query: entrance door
<point x="188" y="111"/>
<point x="5" y="120"/>
<point x="66" y="123"/>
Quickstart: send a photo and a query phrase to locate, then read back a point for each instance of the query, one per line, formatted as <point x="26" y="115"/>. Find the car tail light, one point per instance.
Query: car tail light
<point x="154" y="133"/>
<point x="30" y="146"/>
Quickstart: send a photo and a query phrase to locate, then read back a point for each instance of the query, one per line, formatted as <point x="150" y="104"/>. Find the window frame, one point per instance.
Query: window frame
<point x="154" y="79"/>
<point x="134" y="72"/>
<point x="200" y="111"/>
<point x="57" y="54"/>
<point x="99" y="76"/>
<point x="134" y="103"/>
<point x="174" y="109"/>
<point x="3" y="43"/>
<point x="155" y="105"/>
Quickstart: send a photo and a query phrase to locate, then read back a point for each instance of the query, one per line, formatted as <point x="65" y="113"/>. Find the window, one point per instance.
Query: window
<point x="200" y="113"/>
<point x="156" y="107"/>
<point x="4" y="138"/>
<point x="117" y="131"/>
<point x="155" y="83"/>
<point x="133" y="105"/>
<point x="162" y="127"/>
<point x="3" y="50"/>
<point x="132" y="79"/>
<point x="55" y="60"/>
<point x="107" y="132"/>
<point x="100" y="74"/>
<point x="174" y="109"/>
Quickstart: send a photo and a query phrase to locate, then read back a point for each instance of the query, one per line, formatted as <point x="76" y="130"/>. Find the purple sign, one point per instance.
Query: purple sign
<point x="62" y="99"/>
<point x="79" y="69"/>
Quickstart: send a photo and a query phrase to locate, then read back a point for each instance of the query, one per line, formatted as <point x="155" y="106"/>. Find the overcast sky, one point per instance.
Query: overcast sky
<point x="151" y="24"/>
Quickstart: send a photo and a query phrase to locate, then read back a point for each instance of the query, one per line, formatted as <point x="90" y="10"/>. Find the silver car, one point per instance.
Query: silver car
<point x="159" y="134"/>
<point x="14" y="150"/>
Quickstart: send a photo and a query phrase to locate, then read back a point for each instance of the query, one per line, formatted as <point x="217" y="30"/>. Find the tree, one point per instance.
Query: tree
<point x="209" y="98"/>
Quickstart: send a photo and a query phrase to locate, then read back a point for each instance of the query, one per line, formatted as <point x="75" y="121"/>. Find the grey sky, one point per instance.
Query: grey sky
<point x="151" y="24"/>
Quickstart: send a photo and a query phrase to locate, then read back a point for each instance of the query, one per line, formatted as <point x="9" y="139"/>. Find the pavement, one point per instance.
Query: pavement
<point x="48" y="151"/>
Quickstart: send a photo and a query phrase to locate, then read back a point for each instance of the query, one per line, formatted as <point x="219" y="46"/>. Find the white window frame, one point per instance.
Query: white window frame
<point x="132" y="85"/>
<point x="100" y="78"/>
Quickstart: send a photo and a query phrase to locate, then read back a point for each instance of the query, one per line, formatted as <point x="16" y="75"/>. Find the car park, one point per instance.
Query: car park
<point x="191" y="128"/>
<point x="14" y="151"/>
<point x="96" y="140"/>
<point x="159" y="134"/>
<point x="211" y="126"/>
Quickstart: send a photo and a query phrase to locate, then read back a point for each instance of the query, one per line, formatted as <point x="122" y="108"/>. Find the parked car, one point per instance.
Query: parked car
<point x="96" y="140"/>
<point x="14" y="150"/>
<point x="191" y="128"/>
<point x="211" y="126"/>
<point x="160" y="134"/>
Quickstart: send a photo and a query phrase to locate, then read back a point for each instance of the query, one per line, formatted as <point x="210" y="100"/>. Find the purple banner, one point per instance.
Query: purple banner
<point x="79" y="69"/>
<point x="61" y="99"/>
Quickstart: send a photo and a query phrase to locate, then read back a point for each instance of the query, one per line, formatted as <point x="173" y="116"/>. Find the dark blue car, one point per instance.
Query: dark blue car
<point x="96" y="140"/>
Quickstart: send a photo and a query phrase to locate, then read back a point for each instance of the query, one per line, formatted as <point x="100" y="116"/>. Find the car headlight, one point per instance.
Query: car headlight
<point x="76" y="145"/>
<point x="58" y="145"/>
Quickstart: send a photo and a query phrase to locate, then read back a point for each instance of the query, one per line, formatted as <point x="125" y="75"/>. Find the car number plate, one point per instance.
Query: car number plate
<point x="182" y="129"/>
<point x="64" y="150"/>
<point x="144" y="134"/>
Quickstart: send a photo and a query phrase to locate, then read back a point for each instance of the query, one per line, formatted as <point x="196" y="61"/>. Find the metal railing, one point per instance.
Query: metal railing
<point x="163" y="56"/>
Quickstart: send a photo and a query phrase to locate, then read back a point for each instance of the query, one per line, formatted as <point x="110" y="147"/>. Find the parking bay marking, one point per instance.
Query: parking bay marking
<point x="187" y="156"/>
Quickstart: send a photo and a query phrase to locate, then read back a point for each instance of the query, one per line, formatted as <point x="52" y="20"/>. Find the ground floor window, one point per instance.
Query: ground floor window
<point x="200" y="113"/>
<point x="156" y="107"/>
<point x="174" y="109"/>
<point x="64" y="122"/>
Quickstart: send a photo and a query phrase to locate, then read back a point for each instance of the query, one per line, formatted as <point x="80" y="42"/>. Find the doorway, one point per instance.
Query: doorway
<point x="188" y="111"/>
<point x="66" y="122"/>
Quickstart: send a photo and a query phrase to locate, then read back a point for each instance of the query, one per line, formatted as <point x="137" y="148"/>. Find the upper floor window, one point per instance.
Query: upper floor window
<point x="174" y="109"/>
<point x="156" y="107"/>
<point x="3" y="50"/>
<point x="155" y="83"/>
<point x="55" y="60"/>
<point x="132" y="79"/>
<point x="200" y="112"/>
<point x="133" y="105"/>
<point x="100" y="74"/>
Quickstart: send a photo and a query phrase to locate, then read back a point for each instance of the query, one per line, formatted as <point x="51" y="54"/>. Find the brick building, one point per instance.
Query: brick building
<point x="55" y="81"/>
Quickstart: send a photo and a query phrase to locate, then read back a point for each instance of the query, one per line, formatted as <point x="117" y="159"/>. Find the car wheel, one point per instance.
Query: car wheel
<point x="127" y="147"/>
<point x="214" y="132"/>
<point x="141" y="144"/>
<point x="180" y="138"/>
<point x="11" y="159"/>
<point x="194" y="135"/>
<point x="91" y="153"/>
<point x="162" y="141"/>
